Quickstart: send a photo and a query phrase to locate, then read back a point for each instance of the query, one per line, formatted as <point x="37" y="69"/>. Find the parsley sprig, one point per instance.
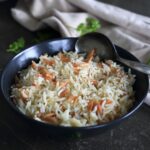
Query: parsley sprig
<point x="41" y="36"/>
<point x="16" y="46"/>
<point x="148" y="62"/>
<point x="91" y="25"/>
<point x="20" y="43"/>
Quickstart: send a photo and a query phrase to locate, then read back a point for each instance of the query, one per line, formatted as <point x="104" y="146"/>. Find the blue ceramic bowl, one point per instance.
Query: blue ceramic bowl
<point x="23" y="59"/>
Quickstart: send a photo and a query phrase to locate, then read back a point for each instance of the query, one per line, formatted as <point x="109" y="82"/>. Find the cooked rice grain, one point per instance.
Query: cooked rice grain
<point x="69" y="90"/>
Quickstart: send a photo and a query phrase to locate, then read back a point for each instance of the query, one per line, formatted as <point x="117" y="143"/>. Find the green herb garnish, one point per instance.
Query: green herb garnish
<point x="16" y="46"/>
<point x="148" y="62"/>
<point x="91" y="25"/>
<point x="41" y="36"/>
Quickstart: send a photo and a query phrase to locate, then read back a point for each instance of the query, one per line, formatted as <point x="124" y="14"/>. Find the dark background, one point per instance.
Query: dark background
<point x="132" y="134"/>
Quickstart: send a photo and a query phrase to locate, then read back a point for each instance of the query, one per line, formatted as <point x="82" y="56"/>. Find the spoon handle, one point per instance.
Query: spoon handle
<point x="136" y="65"/>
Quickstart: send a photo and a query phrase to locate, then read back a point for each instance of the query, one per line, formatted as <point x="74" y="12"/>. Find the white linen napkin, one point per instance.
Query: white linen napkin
<point x="126" y="29"/>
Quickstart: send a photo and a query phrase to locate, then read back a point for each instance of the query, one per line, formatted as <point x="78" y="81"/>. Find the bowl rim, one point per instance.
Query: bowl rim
<point x="107" y="124"/>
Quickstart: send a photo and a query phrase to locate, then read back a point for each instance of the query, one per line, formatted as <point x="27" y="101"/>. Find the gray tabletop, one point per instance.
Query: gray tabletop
<point x="132" y="134"/>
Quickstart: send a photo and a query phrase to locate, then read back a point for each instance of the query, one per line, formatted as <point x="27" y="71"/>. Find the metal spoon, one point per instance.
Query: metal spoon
<point x="106" y="50"/>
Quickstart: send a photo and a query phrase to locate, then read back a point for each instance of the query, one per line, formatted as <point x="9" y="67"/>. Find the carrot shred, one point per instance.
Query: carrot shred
<point x="100" y="65"/>
<point x="49" y="62"/>
<point x="73" y="98"/>
<point x="90" y="55"/>
<point x="48" y="76"/>
<point x="108" y="101"/>
<point x="64" y="83"/>
<point x="33" y="65"/>
<point x="41" y="69"/>
<point x="75" y="65"/>
<point x="90" y="106"/>
<point x="64" y="58"/>
<point x="49" y="117"/>
<point x="99" y="108"/>
<point x="64" y="93"/>
<point x="101" y="102"/>
<point x="94" y="103"/>
<point x="76" y="68"/>
<point x="45" y="73"/>
<point x="83" y="64"/>
<point x="76" y="71"/>
<point x="95" y="83"/>
<point x="113" y="70"/>
<point x="72" y="114"/>
<point x="62" y="107"/>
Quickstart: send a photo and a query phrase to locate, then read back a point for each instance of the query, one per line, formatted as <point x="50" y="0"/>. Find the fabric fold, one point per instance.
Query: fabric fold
<point x="125" y="28"/>
<point x="134" y="22"/>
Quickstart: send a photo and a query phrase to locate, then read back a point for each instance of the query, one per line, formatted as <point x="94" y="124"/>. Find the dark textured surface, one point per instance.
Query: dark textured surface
<point x="132" y="134"/>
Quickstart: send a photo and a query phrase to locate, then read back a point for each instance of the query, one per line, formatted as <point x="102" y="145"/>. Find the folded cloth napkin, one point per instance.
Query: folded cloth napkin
<point x="126" y="29"/>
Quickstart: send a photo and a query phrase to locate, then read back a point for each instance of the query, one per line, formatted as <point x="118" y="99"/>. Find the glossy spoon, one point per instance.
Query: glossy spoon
<point x="106" y="50"/>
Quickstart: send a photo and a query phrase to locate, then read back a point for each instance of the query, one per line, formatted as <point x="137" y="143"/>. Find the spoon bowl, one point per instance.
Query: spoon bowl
<point x="105" y="49"/>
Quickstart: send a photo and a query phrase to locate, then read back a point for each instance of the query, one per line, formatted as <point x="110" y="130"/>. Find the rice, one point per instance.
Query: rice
<point x="70" y="90"/>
